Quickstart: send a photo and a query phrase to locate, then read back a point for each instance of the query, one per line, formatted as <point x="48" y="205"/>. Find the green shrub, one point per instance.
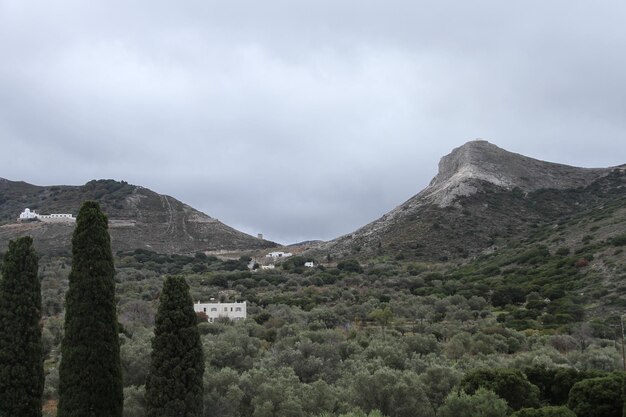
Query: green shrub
<point x="619" y="240"/>
<point x="350" y="265"/>
<point x="597" y="397"/>
<point x="559" y="411"/>
<point x="509" y="384"/>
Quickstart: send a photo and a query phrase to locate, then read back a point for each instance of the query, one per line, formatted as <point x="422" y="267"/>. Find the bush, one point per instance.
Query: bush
<point x="560" y="411"/>
<point x="509" y="384"/>
<point x="507" y="295"/>
<point x="483" y="403"/>
<point x="597" y="397"/>
<point x="350" y="265"/>
<point x="619" y="240"/>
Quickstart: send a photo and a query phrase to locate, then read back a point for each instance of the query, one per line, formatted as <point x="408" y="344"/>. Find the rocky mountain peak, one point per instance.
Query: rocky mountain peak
<point x="480" y="160"/>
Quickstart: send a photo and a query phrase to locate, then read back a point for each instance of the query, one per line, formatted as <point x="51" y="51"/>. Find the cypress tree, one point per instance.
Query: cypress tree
<point x="174" y="384"/>
<point x="90" y="376"/>
<point x="21" y="351"/>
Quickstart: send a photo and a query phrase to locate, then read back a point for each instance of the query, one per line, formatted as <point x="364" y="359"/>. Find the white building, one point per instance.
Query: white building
<point x="309" y="264"/>
<point x="270" y="266"/>
<point x="278" y="255"/>
<point x="233" y="311"/>
<point x="32" y="215"/>
<point x="28" y="215"/>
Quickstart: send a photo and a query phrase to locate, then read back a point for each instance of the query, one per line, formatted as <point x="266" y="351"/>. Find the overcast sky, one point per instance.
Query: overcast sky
<point x="302" y="120"/>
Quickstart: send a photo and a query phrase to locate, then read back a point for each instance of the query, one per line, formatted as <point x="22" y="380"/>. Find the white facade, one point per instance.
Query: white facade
<point x="278" y="255"/>
<point x="28" y="215"/>
<point x="270" y="266"/>
<point x="233" y="311"/>
<point x="309" y="264"/>
<point x="31" y="215"/>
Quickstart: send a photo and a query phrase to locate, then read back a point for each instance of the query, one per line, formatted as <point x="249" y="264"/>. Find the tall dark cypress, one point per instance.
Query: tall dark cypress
<point x="174" y="384"/>
<point x="21" y="352"/>
<point x="90" y="376"/>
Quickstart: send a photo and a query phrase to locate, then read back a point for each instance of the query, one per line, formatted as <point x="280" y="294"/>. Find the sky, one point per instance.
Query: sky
<point x="302" y="120"/>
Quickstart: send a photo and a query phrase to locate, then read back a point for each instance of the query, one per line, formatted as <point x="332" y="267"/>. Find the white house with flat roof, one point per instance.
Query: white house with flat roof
<point x="278" y="255"/>
<point x="214" y="310"/>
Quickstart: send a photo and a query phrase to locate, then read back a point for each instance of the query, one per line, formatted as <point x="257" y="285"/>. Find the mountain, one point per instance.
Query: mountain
<point x="138" y="218"/>
<point x="482" y="197"/>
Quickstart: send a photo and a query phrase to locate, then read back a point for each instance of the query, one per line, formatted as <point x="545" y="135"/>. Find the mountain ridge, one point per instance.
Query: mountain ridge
<point x="482" y="160"/>
<point x="480" y="194"/>
<point x="139" y="218"/>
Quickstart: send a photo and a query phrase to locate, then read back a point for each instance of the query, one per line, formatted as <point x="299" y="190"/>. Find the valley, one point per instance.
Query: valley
<point x="504" y="269"/>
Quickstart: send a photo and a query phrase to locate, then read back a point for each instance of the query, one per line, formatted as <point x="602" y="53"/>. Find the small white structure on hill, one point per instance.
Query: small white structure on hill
<point x="56" y="217"/>
<point x="278" y="255"/>
<point x="28" y="215"/>
<point x="309" y="264"/>
<point x="270" y="266"/>
<point x="213" y="310"/>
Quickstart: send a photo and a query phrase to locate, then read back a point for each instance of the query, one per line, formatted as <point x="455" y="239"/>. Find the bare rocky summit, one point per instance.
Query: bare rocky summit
<point x="481" y="194"/>
<point x="481" y="160"/>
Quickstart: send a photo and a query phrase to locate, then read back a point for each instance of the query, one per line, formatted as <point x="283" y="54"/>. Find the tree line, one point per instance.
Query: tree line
<point x="90" y="372"/>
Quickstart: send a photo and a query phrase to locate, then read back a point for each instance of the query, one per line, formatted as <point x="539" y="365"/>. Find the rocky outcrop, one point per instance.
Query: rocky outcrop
<point x="483" y="161"/>
<point x="481" y="193"/>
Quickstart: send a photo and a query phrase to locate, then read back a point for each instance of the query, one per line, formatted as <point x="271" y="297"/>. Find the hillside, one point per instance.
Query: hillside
<point x="504" y="266"/>
<point x="482" y="197"/>
<point x="138" y="218"/>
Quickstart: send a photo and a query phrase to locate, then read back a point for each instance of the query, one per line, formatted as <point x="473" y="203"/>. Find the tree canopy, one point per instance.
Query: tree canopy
<point x="21" y="351"/>
<point x="90" y="371"/>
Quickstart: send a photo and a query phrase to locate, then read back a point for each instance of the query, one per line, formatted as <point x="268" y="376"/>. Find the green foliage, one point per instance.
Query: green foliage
<point x="483" y="403"/>
<point x="358" y="413"/>
<point x="350" y="265"/>
<point x="394" y="393"/>
<point x="296" y="264"/>
<point x="597" y="397"/>
<point x="553" y="411"/>
<point x="555" y="383"/>
<point x="21" y="349"/>
<point x="174" y="383"/>
<point x="619" y="240"/>
<point x="382" y="316"/>
<point x="509" y="384"/>
<point x="90" y="371"/>
<point x="438" y="382"/>
<point x="134" y="401"/>
<point x="507" y="295"/>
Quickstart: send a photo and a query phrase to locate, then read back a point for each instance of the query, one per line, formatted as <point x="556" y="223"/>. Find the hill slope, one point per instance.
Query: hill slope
<point x="481" y="197"/>
<point x="138" y="218"/>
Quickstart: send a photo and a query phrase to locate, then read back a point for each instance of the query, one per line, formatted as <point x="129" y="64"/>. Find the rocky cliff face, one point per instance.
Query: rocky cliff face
<point x="138" y="218"/>
<point x="483" y="161"/>
<point x="481" y="195"/>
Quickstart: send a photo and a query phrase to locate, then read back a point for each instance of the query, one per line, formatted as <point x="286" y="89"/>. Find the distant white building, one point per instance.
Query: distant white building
<point x="213" y="310"/>
<point x="309" y="264"/>
<point x="28" y="215"/>
<point x="32" y="215"/>
<point x="270" y="266"/>
<point x="278" y="255"/>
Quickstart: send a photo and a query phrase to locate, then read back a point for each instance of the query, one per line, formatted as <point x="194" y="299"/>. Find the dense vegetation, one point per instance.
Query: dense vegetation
<point x="403" y="338"/>
<point x="528" y="327"/>
<point x="21" y="367"/>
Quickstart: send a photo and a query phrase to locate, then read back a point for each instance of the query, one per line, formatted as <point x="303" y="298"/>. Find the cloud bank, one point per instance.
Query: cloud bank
<point x="302" y="120"/>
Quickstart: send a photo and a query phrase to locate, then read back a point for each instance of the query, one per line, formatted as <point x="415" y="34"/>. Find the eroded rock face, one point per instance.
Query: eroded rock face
<point x="481" y="193"/>
<point x="481" y="160"/>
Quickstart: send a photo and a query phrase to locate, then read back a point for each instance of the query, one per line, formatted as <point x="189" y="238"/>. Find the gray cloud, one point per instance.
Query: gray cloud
<point x="302" y="120"/>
